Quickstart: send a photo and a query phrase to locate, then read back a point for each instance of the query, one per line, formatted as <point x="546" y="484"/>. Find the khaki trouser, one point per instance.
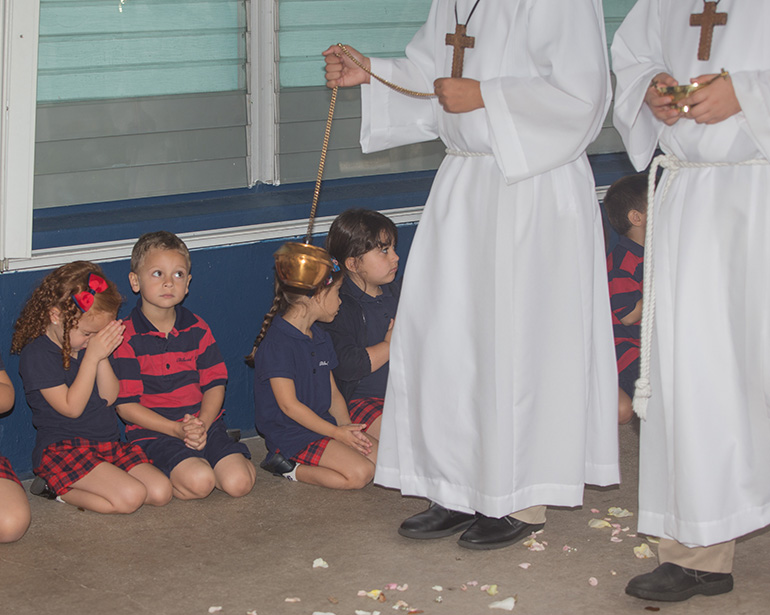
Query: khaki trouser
<point x="716" y="558"/>
<point x="532" y="515"/>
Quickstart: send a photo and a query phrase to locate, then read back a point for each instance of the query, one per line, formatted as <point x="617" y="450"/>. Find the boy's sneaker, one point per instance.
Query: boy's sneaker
<point x="278" y="465"/>
<point x="41" y="488"/>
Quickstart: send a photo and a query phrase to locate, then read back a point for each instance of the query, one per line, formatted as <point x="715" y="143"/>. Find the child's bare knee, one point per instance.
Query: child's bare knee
<point x="197" y="482"/>
<point x="129" y="499"/>
<point x="159" y="494"/>
<point x="361" y="475"/>
<point x="13" y="525"/>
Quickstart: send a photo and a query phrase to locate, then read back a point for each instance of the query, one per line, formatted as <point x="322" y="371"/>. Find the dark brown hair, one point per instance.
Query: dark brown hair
<point x="55" y="291"/>
<point x="357" y="231"/>
<point x="626" y="194"/>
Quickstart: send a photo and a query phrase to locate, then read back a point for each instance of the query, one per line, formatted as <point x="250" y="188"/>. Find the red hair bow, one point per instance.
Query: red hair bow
<point x="85" y="299"/>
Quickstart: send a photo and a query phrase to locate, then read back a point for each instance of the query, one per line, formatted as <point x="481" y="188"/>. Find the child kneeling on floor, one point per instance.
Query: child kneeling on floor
<point x="14" y="507"/>
<point x="364" y="243"/>
<point x="299" y="409"/>
<point x="172" y="378"/>
<point x="66" y="334"/>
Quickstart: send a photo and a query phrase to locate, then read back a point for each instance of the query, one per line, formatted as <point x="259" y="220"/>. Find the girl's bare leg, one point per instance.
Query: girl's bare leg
<point x="14" y="511"/>
<point x="107" y="489"/>
<point x="159" y="490"/>
<point x="340" y="467"/>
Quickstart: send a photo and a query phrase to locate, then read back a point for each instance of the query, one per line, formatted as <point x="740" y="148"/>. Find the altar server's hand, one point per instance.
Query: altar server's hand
<point x="713" y="103"/>
<point x="458" y="95"/>
<point x="342" y="71"/>
<point x="660" y="104"/>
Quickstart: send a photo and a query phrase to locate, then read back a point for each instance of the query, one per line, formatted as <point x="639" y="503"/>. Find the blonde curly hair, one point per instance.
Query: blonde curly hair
<point x="55" y="291"/>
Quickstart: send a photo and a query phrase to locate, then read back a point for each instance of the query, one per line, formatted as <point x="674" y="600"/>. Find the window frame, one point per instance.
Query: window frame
<point x="19" y="60"/>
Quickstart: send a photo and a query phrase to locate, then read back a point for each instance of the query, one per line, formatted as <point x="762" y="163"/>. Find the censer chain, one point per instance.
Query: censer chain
<point x="328" y="130"/>
<point x="321" y="164"/>
<point x="391" y="85"/>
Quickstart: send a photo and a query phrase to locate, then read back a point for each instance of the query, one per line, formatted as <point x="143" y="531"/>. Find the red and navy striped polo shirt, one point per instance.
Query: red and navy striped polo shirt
<point x="625" y="266"/>
<point x="167" y="374"/>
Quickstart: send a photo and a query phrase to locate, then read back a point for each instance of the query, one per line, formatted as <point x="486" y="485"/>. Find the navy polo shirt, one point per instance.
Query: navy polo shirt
<point x="41" y="367"/>
<point x="378" y="312"/>
<point x="286" y="352"/>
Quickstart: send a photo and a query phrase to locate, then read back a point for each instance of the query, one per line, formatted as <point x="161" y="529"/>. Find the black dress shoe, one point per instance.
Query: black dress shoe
<point x="277" y="464"/>
<point x="41" y="488"/>
<point x="491" y="533"/>
<point x="436" y="522"/>
<point x="673" y="583"/>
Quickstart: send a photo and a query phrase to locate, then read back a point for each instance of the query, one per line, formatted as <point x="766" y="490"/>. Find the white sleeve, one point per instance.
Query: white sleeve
<point x="389" y="118"/>
<point x="544" y="121"/>
<point x="637" y="56"/>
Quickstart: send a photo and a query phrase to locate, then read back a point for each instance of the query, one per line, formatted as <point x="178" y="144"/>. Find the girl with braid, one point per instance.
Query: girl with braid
<point x="299" y="410"/>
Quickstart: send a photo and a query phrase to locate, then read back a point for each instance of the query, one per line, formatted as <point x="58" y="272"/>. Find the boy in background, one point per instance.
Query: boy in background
<point x="626" y="206"/>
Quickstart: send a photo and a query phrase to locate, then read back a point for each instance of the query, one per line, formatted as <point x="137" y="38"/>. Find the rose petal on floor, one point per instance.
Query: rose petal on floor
<point x="593" y="581"/>
<point x="319" y="563"/>
<point x="643" y="551"/>
<point x="616" y="511"/>
<point x="504" y="605"/>
<point x="598" y="524"/>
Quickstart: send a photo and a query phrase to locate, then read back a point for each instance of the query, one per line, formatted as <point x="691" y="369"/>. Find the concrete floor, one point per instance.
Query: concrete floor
<point x="249" y="555"/>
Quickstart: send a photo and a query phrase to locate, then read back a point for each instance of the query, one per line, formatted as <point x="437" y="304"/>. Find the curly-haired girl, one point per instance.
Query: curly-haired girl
<point x="66" y="334"/>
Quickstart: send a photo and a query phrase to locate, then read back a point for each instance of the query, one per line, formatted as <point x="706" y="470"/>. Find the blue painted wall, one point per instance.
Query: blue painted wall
<point x="231" y="289"/>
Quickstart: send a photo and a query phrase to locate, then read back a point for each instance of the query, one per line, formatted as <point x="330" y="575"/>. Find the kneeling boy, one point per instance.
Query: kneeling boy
<point x="172" y="378"/>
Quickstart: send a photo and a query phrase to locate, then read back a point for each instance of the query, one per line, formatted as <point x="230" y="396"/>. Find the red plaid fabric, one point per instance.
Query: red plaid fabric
<point x="6" y="471"/>
<point x="66" y="462"/>
<point x="311" y="454"/>
<point x="365" y="410"/>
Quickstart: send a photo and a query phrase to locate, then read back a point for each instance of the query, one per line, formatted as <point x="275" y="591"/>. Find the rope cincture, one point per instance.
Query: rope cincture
<point x="643" y="390"/>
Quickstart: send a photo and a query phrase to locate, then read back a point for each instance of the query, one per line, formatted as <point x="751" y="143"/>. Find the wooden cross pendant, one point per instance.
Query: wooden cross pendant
<point x="460" y="42"/>
<point x="707" y="20"/>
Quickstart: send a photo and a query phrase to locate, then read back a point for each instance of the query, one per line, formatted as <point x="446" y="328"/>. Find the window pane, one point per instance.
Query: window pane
<point x="106" y="49"/>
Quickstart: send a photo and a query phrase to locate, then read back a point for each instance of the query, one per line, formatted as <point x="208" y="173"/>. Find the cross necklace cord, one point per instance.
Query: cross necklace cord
<point x="460" y="42"/>
<point x="707" y="20"/>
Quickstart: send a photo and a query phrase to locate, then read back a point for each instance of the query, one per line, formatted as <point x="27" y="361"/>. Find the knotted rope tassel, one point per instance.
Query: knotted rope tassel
<point x="674" y="165"/>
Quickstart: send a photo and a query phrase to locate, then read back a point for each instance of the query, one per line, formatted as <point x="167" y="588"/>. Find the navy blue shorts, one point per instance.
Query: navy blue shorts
<point x="166" y="452"/>
<point x="628" y="377"/>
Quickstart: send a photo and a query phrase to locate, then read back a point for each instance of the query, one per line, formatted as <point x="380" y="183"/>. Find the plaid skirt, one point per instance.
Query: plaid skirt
<point x="6" y="471"/>
<point x="66" y="462"/>
<point x="365" y="410"/>
<point x="311" y="454"/>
